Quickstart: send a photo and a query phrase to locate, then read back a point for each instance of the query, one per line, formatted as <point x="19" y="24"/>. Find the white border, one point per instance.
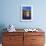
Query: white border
<point x="31" y="13"/>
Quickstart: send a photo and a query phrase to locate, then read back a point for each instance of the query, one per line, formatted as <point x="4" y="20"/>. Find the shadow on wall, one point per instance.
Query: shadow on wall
<point x="2" y="26"/>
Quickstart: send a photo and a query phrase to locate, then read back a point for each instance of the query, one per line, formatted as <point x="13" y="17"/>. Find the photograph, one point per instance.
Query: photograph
<point x="26" y="13"/>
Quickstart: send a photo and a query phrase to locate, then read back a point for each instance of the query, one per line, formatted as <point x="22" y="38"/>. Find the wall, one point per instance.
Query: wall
<point x="11" y="12"/>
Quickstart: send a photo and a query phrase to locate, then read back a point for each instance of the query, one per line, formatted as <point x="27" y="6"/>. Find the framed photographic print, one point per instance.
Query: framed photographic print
<point x="26" y="12"/>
